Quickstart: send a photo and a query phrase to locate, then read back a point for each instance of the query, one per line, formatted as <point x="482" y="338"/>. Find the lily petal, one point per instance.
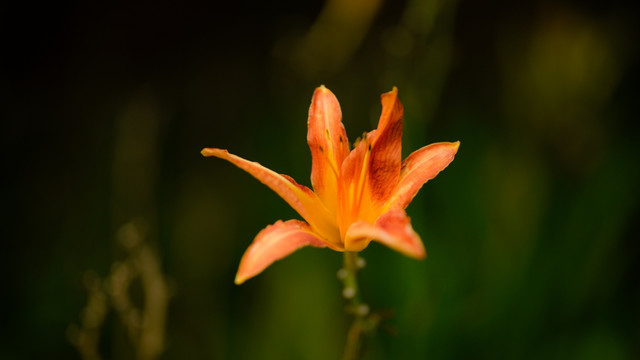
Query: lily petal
<point x="329" y="145"/>
<point x="354" y="175"/>
<point x="392" y="229"/>
<point x="371" y="171"/>
<point x="418" y="168"/>
<point x="386" y="149"/>
<point x="299" y="197"/>
<point x="274" y="243"/>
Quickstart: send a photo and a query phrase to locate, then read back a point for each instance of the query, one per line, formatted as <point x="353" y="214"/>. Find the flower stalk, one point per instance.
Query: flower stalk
<point x="362" y="324"/>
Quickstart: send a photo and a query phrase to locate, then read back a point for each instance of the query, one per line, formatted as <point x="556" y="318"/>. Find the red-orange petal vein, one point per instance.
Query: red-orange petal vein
<point x="386" y="149"/>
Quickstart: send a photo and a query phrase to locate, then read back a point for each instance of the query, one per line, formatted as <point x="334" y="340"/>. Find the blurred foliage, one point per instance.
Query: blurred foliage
<point x="531" y="232"/>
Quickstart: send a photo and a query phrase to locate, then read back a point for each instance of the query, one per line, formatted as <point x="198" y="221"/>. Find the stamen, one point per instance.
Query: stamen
<point x="332" y="167"/>
<point x="361" y="182"/>
<point x="330" y="155"/>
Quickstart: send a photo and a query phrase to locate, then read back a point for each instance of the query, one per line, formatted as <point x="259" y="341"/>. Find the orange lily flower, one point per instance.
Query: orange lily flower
<point x="358" y="195"/>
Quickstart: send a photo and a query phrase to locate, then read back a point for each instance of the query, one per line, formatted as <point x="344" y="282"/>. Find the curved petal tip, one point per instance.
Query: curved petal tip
<point x="392" y="229"/>
<point x="213" y="152"/>
<point x="274" y="243"/>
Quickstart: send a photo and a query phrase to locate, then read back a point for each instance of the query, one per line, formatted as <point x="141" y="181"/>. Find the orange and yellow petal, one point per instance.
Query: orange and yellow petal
<point x="371" y="171"/>
<point x="299" y="197"/>
<point x="392" y="229"/>
<point x="386" y="149"/>
<point x="274" y="243"/>
<point x="328" y="143"/>
<point x="418" y="168"/>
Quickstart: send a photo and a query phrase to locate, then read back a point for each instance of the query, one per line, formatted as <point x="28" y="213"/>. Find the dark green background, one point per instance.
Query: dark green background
<point x="532" y="232"/>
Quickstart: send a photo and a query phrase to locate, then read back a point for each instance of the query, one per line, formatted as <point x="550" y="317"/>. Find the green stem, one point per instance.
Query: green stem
<point x="359" y="310"/>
